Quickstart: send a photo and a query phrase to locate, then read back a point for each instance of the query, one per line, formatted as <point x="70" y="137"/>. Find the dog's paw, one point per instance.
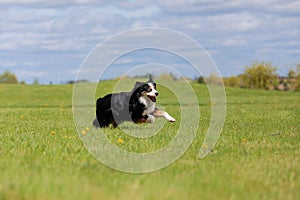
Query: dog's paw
<point x="171" y="119"/>
<point x="168" y="117"/>
<point x="150" y="118"/>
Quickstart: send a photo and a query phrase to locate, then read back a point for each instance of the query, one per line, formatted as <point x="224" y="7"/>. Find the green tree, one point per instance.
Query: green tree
<point x="8" y="77"/>
<point x="260" y="75"/>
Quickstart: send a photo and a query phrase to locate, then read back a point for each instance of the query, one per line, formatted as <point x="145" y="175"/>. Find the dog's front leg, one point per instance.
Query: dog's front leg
<point x="150" y="118"/>
<point x="144" y="119"/>
<point x="160" y="113"/>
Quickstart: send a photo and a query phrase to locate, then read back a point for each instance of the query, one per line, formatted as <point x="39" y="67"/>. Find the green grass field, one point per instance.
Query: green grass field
<point x="256" y="157"/>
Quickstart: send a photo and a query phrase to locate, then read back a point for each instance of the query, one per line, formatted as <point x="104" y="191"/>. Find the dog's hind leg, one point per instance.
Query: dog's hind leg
<point x="115" y="125"/>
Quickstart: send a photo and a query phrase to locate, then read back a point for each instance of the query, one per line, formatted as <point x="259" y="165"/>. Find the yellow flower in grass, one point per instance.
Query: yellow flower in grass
<point x="53" y="132"/>
<point x="244" y="140"/>
<point x="120" y="141"/>
<point x="84" y="132"/>
<point x="22" y="117"/>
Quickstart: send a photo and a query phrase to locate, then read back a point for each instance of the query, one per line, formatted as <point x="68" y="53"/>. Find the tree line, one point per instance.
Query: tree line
<point x="259" y="75"/>
<point x="8" y="77"/>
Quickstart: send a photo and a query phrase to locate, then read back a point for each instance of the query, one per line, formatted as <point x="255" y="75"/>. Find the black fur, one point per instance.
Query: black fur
<point x="119" y="107"/>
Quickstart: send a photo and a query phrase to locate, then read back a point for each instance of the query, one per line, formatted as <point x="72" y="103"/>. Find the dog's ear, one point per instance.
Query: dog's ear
<point x="138" y="84"/>
<point x="151" y="80"/>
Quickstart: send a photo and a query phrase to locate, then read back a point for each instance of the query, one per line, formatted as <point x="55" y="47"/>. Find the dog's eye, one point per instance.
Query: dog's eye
<point x="149" y="90"/>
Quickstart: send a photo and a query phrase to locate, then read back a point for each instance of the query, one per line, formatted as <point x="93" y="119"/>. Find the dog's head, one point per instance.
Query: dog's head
<point x="147" y="89"/>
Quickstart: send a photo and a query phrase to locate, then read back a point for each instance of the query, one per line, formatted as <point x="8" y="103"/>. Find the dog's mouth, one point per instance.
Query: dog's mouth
<point x="152" y="98"/>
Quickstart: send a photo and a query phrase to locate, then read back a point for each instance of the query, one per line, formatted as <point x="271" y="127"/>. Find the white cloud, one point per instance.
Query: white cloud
<point x="9" y="45"/>
<point x="287" y="6"/>
<point x="234" y="22"/>
<point x="237" y="41"/>
<point x="30" y="73"/>
<point x="47" y="3"/>
<point x="9" y="64"/>
<point x="67" y="45"/>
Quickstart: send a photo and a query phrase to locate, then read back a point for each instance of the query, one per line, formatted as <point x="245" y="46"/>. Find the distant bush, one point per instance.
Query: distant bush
<point x="297" y="87"/>
<point x="260" y="76"/>
<point x="8" y="77"/>
<point x="36" y="81"/>
<point x="292" y="81"/>
<point x="200" y="80"/>
<point x="212" y="79"/>
<point x="233" y="81"/>
<point x="77" y="81"/>
<point x="296" y="77"/>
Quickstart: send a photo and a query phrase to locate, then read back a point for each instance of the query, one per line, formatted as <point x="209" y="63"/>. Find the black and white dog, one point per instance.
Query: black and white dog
<point x="137" y="106"/>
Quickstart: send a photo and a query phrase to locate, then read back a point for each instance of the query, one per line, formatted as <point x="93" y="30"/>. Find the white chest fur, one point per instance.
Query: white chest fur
<point x="149" y="105"/>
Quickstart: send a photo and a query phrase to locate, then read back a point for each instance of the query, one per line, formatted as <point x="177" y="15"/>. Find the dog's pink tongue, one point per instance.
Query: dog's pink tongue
<point x="153" y="99"/>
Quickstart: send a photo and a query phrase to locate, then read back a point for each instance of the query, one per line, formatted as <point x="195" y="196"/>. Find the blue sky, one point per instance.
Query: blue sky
<point x="49" y="40"/>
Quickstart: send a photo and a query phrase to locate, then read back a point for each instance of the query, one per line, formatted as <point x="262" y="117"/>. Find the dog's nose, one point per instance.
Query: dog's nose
<point x="156" y="93"/>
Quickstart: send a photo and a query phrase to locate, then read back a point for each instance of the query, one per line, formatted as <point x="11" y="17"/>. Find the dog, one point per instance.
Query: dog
<point x="137" y="106"/>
